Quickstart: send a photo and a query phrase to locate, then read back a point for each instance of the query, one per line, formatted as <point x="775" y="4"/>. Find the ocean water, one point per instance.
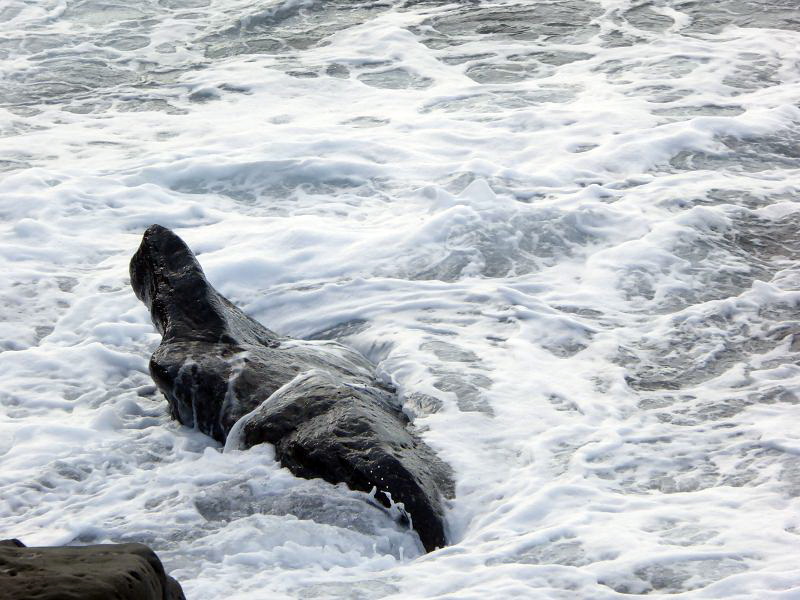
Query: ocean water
<point x="566" y="230"/>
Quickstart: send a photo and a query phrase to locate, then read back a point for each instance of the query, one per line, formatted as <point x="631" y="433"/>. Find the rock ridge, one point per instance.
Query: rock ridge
<point x="318" y="402"/>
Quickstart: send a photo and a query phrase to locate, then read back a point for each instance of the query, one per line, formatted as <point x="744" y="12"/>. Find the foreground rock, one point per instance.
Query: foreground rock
<point x="319" y="403"/>
<point x="118" y="571"/>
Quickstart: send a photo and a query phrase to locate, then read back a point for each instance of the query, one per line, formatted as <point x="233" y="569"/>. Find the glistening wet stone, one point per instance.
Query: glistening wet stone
<point x="320" y="404"/>
<point x="119" y="571"/>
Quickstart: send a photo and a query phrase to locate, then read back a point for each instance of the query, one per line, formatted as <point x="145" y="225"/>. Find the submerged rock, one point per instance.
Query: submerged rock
<point x="119" y="571"/>
<point x="318" y="402"/>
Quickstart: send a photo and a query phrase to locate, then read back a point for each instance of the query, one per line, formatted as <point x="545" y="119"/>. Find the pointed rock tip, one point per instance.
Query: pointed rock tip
<point x="162" y="258"/>
<point x="156" y="228"/>
<point x="156" y="231"/>
<point x="160" y="241"/>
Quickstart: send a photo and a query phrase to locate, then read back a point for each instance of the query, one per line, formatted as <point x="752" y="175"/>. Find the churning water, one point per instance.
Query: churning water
<point x="567" y="231"/>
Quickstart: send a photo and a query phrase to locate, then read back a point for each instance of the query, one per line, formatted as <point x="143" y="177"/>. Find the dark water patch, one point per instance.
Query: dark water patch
<point x="617" y="69"/>
<point x="341" y="330"/>
<point x="459" y="59"/>
<point x="156" y="75"/>
<point x="184" y="4"/>
<point x="222" y="46"/>
<point x="562" y="404"/>
<point x="698" y="349"/>
<point x="645" y="17"/>
<point x="687" y="465"/>
<point x="488" y="102"/>
<point x="337" y="70"/>
<point x="288" y="28"/>
<point x="581" y="311"/>
<point x="35" y="43"/>
<point x="567" y="21"/>
<point x="508" y="72"/>
<point x="567" y="348"/>
<point x="555" y="58"/>
<point x="690" y="411"/>
<point x="468" y="389"/>
<point x="580" y="148"/>
<point x="754" y="72"/>
<point x="560" y="551"/>
<point x="122" y="40"/>
<point x="790" y="477"/>
<point x="87" y="107"/>
<point x="752" y="154"/>
<point x="9" y="165"/>
<point x="502" y="244"/>
<point x="86" y="56"/>
<point x="619" y="39"/>
<point x="726" y="263"/>
<point x="98" y="13"/>
<point x="675" y="577"/>
<point x="395" y="79"/>
<point x="449" y="268"/>
<point x="166" y="48"/>
<point x="680" y="533"/>
<point x="7" y="13"/>
<point x="366" y="122"/>
<point x="502" y="248"/>
<point x="713" y="17"/>
<point x="31" y="304"/>
<point x="702" y="110"/>
<point x="671" y="67"/>
<point x="372" y="589"/>
<point x="62" y="80"/>
<point x="204" y="95"/>
<point x="274" y="185"/>
<point x="448" y="352"/>
<point x="659" y="94"/>
<point x="744" y="199"/>
<point x="716" y="265"/>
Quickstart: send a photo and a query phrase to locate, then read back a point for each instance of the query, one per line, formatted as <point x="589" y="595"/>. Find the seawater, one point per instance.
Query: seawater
<point x="566" y="230"/>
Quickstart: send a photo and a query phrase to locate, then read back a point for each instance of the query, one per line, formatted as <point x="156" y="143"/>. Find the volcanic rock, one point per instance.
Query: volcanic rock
<point x="318" y="402"/>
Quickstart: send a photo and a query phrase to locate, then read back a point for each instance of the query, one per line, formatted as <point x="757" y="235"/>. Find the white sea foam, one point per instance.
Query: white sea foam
<point x="566" y="231"/>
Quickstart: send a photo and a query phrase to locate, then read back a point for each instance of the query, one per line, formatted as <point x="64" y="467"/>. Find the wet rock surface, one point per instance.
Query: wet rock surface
<point x="319" y="403"/>
<point x="101" y="572"/>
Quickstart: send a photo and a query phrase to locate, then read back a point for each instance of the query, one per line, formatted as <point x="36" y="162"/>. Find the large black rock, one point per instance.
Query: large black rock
<point x="101" y="572"/>
<point x="318" y="402"/>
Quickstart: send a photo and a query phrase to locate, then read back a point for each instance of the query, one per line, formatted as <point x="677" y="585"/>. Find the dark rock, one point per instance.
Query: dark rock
<point x="102" y="572"/>
<point x="318" y="402"/>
